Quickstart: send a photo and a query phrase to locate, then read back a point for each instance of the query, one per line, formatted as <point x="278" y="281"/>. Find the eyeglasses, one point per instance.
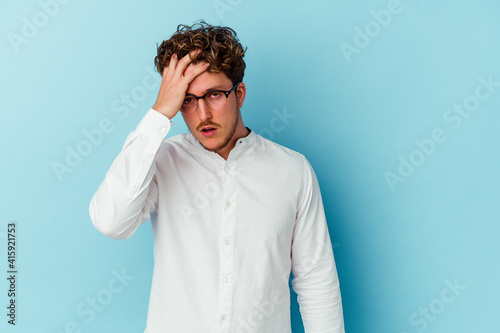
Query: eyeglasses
<point x="215" y="100"/>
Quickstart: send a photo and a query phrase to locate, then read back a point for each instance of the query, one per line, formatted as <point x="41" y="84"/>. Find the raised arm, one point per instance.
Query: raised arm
<point x="128" y="194"/>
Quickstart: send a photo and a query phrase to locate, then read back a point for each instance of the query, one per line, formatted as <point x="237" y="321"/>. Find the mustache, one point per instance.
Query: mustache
<point x="206" y="123"/>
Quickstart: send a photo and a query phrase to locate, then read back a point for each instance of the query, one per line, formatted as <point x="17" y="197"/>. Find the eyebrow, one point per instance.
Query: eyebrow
<point x="217" y="87"/>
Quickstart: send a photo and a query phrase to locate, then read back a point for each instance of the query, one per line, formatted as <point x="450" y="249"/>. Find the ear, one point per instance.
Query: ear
<point x="241" y="92"/>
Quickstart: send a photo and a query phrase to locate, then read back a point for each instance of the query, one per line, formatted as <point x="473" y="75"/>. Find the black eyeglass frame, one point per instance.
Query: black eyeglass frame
<point x="225" y="92"/>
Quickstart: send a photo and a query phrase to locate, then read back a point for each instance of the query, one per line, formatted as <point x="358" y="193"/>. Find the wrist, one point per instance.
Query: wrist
<point x="154" y="123"/>
<point x="169" y="113"/>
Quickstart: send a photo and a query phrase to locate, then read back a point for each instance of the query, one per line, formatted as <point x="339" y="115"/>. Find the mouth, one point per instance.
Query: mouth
<point x="208" y="131"/>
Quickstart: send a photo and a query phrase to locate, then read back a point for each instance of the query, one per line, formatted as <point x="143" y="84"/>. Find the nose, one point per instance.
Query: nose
<point x="203" y="111"/>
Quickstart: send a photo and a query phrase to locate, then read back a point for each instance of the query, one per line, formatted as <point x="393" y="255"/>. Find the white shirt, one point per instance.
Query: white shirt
<point x="227" y="233"/>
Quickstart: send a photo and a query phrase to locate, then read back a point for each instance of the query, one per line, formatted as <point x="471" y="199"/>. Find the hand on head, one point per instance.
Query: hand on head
<point x="175" y="82"/>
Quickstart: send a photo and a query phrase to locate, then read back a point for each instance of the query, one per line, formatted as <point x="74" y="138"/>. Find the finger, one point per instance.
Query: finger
<point x="170" y="69"/>
<point x="185" y="61"/>
<point x="173" y="61"/>
<point x="188" y="58"/>
<point x="192" y="55"/>
<point x="195" y="70"/>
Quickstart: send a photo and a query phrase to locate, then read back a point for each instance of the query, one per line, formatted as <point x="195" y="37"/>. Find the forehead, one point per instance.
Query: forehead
<point x="208" y="81"/>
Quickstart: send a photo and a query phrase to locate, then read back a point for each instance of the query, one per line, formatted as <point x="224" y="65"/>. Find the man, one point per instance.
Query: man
<point x="232" y="213"/>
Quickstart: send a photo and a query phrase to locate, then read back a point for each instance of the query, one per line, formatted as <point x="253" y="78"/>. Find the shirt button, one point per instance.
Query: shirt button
<point x="229" y="167"/>
<point x="227" y="242"/>
<point x="145" y="162"/>
<point x="225" y="279"/>
<point x="223" y="317"/>
<point x="228" y="203"/>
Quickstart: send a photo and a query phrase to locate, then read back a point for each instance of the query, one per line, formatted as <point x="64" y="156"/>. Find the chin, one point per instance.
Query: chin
<point x="213" y="144"/>
<point x="216" y="146"/>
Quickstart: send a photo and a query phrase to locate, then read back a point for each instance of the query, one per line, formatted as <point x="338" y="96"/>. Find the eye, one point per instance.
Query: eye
<point x="215" y="95"/>
<point x="188" y="101"/>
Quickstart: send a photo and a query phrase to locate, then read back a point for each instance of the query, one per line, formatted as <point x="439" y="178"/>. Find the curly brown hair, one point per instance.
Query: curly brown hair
<point x="219" y="47"/>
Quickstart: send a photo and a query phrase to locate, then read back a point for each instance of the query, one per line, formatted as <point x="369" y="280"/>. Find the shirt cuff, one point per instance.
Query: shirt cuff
<point x="154" y="123"/>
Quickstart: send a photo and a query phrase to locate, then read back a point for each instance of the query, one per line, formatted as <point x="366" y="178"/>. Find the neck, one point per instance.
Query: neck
<point x="241" y="132"/>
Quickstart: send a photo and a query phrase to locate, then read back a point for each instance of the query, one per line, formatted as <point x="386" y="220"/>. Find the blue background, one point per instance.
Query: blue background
<point x="408" y="220"/>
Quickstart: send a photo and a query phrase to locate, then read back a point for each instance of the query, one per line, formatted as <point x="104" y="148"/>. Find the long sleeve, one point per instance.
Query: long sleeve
<point x="128" y="194"/>
<point x="313" y="266"/>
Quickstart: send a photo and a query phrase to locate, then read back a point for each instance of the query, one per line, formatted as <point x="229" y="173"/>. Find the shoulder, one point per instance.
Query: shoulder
<point x="174" y="144"/>
<point x="284" y="156"/>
